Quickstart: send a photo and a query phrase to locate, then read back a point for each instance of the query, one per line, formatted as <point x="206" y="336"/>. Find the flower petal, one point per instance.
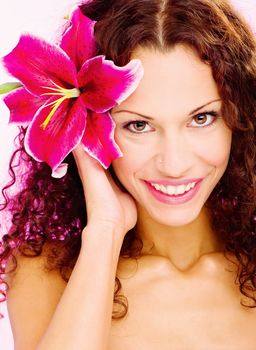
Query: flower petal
<point x="78" y="41"/>
<point x="98" y="139"/>
<point x="37" y="63"/>
<point x="63" y="133"/>
<point x="22" y="105"/>
<point x="60" y="171"/>
<point x="106" y="84"/>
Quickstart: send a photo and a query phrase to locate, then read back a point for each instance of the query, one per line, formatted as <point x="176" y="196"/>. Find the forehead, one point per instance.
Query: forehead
<point x="176" y="81"/>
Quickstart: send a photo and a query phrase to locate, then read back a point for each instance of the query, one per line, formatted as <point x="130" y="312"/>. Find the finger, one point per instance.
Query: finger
<point x="94" y="178"/>
<point x="85" y="163"/>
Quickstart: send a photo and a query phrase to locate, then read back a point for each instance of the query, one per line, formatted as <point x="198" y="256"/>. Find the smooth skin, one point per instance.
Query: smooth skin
<point x="181" y="292"/>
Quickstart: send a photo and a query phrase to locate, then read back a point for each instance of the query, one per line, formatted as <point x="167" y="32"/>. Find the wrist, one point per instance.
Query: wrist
<point x="105" y="227"/>
<point x="103" y="234"/>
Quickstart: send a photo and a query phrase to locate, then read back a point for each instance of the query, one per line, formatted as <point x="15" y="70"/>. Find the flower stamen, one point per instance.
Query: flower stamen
<point x="58" y="91"/>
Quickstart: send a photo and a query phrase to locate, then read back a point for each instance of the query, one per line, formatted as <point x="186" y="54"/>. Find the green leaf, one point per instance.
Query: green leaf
<point x="7" y="87"/>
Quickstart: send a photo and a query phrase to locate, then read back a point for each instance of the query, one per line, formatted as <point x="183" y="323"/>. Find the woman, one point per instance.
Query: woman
<point x="170" y="234"/>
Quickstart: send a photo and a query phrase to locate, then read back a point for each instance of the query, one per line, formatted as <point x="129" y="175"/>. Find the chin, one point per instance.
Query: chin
<point x="174" y="217"/>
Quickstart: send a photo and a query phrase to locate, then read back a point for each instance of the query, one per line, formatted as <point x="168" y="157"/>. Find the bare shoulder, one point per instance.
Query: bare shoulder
<point x="33" y="295"/>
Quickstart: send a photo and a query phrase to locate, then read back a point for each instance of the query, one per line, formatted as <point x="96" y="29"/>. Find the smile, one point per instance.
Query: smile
<point x="177" y="193"/>
<point x="174" y="190"/>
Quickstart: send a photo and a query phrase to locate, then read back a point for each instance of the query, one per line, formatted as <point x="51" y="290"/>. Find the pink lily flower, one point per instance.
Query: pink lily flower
<point x="67" y="94"/>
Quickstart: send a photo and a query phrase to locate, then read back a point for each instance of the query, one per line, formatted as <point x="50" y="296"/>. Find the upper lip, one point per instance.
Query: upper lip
<point x="174" y="182"/>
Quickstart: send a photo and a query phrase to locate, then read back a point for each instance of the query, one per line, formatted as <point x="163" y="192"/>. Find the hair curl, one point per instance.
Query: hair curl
<point x="51" y="210"/>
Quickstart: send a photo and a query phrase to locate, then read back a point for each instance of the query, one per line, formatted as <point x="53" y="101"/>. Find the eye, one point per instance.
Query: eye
<point x="204" y="119"/>
<point x="138" y="127"/>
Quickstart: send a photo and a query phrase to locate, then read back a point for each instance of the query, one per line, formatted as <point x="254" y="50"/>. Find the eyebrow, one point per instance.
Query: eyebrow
<point x="150" y="118"/>
<point x="201" y="107"/>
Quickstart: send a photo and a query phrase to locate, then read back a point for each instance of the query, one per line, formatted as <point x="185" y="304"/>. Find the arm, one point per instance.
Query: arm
<point x="78" y="315"/>
<point x="82" y="319"/>
<point x="47" y="313"/>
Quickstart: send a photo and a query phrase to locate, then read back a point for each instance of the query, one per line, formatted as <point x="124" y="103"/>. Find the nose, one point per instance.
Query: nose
<point x="174" y="156"/>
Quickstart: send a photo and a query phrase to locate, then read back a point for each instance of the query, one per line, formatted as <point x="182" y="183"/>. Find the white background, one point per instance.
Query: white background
<point x="41" y="18"/>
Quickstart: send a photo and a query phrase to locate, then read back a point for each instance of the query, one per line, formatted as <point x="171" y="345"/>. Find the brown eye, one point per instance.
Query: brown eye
<point x="138" y="127"/>
<point x="201" y="119"/>
<point x="204" y="119"/>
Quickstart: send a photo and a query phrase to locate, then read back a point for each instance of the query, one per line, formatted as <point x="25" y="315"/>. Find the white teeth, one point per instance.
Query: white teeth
<point x="174" y="190"/>
<point x="181" y="189"/>
<point x="163" y="189"/>
<point x="188" y="187"/>
<point x="171" y="190"/>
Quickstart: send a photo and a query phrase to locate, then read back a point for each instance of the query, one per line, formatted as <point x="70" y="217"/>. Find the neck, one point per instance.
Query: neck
<point x="184" y="245"/>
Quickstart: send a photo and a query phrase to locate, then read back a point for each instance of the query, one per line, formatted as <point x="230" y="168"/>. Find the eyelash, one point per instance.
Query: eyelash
<point x="213" y="114"/>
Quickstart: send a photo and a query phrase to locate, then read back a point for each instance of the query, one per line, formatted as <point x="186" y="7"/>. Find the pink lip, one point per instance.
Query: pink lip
<point x="171" y="199"/>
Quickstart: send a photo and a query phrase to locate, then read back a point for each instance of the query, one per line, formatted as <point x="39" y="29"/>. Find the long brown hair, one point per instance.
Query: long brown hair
<point x="222" y="40"/>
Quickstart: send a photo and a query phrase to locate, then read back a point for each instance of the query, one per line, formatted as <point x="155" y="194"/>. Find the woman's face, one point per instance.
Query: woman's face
<point x="175" y="143"/>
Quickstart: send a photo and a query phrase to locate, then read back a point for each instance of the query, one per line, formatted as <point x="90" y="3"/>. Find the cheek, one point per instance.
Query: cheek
<point x="216" y="149"/>
<point x="135" y="155"/>
<point x="124" y="169"/>
<point x="129" y="164"/>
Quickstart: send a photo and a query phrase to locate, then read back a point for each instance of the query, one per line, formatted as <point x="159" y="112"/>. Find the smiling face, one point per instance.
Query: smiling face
<point x="175" y="143"/>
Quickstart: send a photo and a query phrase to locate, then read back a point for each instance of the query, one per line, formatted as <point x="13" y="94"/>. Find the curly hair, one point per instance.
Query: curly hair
<point x="48" y="210"/>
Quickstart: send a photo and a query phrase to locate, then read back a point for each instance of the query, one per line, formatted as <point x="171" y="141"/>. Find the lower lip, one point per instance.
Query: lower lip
<point x="171" y="199"/>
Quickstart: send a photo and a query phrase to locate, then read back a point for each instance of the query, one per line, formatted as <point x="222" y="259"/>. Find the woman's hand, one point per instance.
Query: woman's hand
<point x="107" y="205"/>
